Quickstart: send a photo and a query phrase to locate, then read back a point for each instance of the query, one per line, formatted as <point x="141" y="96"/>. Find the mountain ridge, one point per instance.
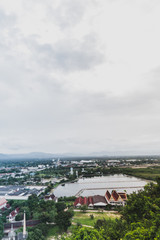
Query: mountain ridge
<point x="43" y="155"/>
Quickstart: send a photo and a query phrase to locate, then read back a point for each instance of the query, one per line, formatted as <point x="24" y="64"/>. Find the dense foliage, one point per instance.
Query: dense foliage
<point x="140" y="219"/>
<point x="85" y="233"/>
<point x="1" y="228"/>
<point x="48" y="213"/>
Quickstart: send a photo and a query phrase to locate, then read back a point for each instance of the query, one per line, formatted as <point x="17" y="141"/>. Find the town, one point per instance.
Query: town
<point x="65" y="186"/>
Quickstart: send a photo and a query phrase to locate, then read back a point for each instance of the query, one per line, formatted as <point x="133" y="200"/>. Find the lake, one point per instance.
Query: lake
<point x="99" y="185"/>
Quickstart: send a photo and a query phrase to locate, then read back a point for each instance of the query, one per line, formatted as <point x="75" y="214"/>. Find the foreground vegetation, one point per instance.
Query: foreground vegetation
<point x="49" y="214"/>
<point x="140" y="220"/>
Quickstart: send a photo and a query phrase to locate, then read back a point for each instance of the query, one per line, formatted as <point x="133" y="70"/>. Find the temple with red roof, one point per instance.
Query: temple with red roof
<point x="113" y="198"/>
<point x="116" y="198"/>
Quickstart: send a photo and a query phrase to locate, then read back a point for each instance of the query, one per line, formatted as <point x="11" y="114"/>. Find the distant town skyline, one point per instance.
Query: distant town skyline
<point x="79" y="76"/>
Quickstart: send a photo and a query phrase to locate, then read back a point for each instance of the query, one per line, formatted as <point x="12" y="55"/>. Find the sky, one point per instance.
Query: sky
<point x="80" y="76"/>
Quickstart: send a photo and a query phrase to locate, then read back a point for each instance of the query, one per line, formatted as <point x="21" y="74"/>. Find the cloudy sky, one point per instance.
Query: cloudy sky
<point x="79" y="76"/>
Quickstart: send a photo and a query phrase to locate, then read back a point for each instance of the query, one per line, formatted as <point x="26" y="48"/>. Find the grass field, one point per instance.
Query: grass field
<point x="150" y="173"/>
<point x="85" y="218"/>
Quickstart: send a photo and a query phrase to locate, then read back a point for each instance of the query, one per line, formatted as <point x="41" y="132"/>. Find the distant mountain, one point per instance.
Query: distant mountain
<point x="42" y="155"/>
<point x="33" y="155"/>
<point x="124" y="153"/>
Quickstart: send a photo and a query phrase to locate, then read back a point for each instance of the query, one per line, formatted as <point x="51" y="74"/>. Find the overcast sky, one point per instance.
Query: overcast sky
<point x="79" y="76"/>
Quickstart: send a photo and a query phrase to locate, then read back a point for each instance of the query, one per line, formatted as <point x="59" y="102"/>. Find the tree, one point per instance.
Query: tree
<point x="60" y="206"/>
<point x="113" y="229"/>
<point x="33" y="203"/>
<point x="83" y="233"/>
<point x="63" y="220"/>
<point x="139" y="233"/>
<point x="45" y="211"/>
<point x="142" y="213"/>
<point x="1" y="229"/>
<point x="35" y="234"/>
<point x="20" y="215"/>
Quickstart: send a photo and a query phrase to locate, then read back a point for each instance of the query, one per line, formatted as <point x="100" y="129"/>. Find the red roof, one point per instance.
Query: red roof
<point x="90" y="200"/>
<point x="52" y="196"/>
<point x="17" y="209"/>
<point x="47" y="197"/>
<point x="85" y="201"/>
<point x="78" y="200"/>
<point x="108" y="195"/>
<point x="99" y="199"/>
<point x="3" y="209"/>
<point x="8" y="206"/>
<point x="115" y="195"/>
<point x="123" y="196"/>
<point x="2" y="201"/>
<point x="13" y="214"/>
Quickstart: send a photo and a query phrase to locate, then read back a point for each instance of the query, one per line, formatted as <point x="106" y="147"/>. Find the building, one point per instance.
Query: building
<point x="85" y="201"/>
<point x="3" y="203"/>
<point x="13" y="214"/>
<point x="77" y="174"/>
<point x="51" y="198"/>
<point x="19" y="236"/>
<point x="99" y="201"/>
<point x="113" y="198"/>
<point x="116" y="198"/>
<point x="79" y="202"/>
<point x="90" y="202"/>
<point x="18" y="192"/>
<point x="95" y="201"/>
<point x="12" y="234"/>
<point x="71" y="171"/>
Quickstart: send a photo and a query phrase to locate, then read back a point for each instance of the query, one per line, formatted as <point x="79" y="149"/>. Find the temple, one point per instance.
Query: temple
<point x="19" y="236"/>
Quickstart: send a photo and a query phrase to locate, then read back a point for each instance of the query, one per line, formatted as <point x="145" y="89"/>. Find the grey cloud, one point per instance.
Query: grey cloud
<point x="68" y="13"/>
<point x="65" y="14"/>
<point x="6" y="20"/>
<point x="7" y="31"/>
<point x="140" y="104"/>
<point x="69" y="54"/>
<point x="39" y="112"/>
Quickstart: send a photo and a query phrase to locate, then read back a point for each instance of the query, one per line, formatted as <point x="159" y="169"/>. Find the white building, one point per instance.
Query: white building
<point x="71" y="171"/>
<point x="77" y="174"/>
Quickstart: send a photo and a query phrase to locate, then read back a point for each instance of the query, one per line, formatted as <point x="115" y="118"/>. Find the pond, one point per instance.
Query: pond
<point x="99" y="185"/>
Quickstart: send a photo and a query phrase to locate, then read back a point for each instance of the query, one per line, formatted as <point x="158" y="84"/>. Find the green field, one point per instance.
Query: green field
<point x="149" y="173"/>
<point x="85" y="218"/>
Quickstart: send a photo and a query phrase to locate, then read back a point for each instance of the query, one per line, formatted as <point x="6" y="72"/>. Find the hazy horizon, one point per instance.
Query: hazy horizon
<point x="81" y="154"/>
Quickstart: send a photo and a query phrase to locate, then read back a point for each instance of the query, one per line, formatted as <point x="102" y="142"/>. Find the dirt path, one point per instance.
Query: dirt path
<point x="100" y="211"/>
<point x="82" y="225"/>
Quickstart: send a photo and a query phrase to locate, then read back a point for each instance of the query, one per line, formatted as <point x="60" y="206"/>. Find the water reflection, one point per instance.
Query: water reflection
<point x="98" y="185"/>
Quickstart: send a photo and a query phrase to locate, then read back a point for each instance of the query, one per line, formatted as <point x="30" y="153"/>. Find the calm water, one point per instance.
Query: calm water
<point x="99" y="185"/>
